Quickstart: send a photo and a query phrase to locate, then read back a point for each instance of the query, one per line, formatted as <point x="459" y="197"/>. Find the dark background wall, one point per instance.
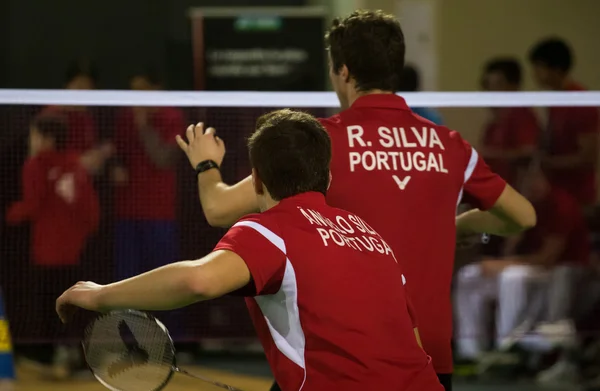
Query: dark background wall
<point x="38" y="38"/>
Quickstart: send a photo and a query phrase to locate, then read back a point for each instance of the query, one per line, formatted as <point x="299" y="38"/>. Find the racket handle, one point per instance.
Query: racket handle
<point x="206" y="379"/>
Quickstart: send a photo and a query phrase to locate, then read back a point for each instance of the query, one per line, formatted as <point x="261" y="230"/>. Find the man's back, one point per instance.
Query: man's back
<point x="329" y="301"/>
<point x="406" y="175"/>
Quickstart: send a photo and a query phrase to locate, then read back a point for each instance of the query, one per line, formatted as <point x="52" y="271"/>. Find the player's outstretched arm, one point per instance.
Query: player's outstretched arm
<point x="511" y="214"/>
<point x="168" y="287"/>
<point x="222" y="204"/>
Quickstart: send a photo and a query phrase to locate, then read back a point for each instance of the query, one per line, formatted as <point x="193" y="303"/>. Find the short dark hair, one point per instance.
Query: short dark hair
<point x="410" y="80"/>
<point x="52" y="126"/>
<point x="371" y="44"/>
<point x="553" y="53"/>
<point x="508" y="67"/>
<point x="291" y="152"/>
<point x="81" y="67"/>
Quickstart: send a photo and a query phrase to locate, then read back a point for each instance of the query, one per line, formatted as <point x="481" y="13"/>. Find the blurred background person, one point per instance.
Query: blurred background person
<point x="570" y="139"/>
<point x="146" y="234"/>
<point x="535" y="281"/>
<point x="146" y="230"/>
<point x="410" y="81"/>
<point x="81" y="125"/>
<point x="510" y="137"/>
<point x="59" y="201"/>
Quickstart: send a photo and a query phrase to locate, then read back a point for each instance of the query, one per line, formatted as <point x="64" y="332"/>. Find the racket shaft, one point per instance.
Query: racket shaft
<point x="205" y="379"/>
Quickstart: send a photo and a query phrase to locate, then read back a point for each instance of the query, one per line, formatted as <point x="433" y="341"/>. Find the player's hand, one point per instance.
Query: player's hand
<point x="84" y="295"/>
<point x="202" y="145"/>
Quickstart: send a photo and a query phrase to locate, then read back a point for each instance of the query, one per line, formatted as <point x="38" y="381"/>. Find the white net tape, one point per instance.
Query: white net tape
<point x="288" y="99"/>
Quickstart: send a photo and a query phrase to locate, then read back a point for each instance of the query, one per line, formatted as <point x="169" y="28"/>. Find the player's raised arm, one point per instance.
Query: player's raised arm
<point x="501" y="209"/>
<point x="222" y="204"/>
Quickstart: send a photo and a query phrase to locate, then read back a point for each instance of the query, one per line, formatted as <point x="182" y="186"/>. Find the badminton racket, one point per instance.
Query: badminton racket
<point x="133" y="351"/>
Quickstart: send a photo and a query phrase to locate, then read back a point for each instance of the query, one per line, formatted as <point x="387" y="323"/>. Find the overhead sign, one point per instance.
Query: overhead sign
<point x="259" y="49"/>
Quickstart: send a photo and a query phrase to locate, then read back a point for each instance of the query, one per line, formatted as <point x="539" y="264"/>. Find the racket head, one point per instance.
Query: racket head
<point x="129" y="350"/>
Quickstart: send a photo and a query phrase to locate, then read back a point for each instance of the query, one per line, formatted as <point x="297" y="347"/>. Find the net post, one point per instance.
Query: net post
<point x="7" y="368"/>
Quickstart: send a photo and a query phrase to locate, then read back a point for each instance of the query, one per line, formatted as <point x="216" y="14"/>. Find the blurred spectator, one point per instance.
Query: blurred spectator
<point x="410" y="81"/>
<point x="145" y="232"/>
<point x="510" y="138"/>
<point x="59" y="201"/>
<point x="82" y="135"/>
<point x="534" y="281"/>
<point x="570" y="143"/>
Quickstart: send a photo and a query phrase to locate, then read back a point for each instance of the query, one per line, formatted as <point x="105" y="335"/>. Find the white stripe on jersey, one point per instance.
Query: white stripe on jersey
<point x="281" y="309"/>
<point x="468" y="172"/>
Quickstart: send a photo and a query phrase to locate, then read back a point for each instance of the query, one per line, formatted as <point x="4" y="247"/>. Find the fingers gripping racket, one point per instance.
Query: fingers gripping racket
<point x="133" y="351"/>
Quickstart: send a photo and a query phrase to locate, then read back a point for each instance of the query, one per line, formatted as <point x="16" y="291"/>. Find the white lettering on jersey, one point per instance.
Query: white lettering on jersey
<point x="355" y="132"/>
<point x="401" y="157"/>
<point x="401" y="182"/>
<point x="350" y="231"/>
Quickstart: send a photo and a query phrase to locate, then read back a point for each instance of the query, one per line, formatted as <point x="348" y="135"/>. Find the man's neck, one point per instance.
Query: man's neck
<point x="353" y="94"/>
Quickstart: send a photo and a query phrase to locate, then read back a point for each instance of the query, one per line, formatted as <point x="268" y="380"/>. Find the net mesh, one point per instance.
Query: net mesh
<point x="131" y="239"/>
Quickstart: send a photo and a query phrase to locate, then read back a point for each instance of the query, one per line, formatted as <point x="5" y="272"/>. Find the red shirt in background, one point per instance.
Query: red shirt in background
<point x="80" y="123"/>
<point x="559" y="215"/>
<point x="60" y="202"/>
<point x="511" y="129"/>
<point x="327" y="300"/>
<point x="406" y="175"/>
<point x="150" y="191"/>
<point x="565" y="125"/>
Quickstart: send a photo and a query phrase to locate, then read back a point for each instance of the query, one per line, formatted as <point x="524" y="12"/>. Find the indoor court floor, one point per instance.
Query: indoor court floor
<point x="29" y="381"/>
<point x="247" y="374"/>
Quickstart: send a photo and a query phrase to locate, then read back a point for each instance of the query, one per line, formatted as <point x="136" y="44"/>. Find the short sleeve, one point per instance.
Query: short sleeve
<point x="481" y="186"/>
<point x="262" y="250"/>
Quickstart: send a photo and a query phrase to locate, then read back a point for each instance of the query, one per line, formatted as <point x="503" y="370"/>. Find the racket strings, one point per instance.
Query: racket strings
<point x="129" y="351"/>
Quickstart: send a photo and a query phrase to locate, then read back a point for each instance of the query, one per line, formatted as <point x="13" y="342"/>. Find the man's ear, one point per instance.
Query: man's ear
<point x="345" y="73"/>
<point x="257" y="183"/>
<point x="330" y="178"/>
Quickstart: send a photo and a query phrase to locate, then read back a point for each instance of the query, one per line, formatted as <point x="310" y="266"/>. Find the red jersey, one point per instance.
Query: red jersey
<point x="60" y="201"/>
<point x="81" y="128"/>
<point x="565" y="126"/>
<point x="150" y="191"/>
<point x="559" y="214"/>
<point x="512" y="128"/>
<point x="406" y="175"/>
<point x="327" y="300"/>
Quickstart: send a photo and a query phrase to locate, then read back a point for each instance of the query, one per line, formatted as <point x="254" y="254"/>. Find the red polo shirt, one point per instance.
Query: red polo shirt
<point x="405" y="176"/>
<point x="59" y="200"/>
<point x="511" y="128"/>
<point x="559" y="214"/>
<point x="328" y="301"/>
<point x="150" y="191"/>
<point x="565" y="126"/>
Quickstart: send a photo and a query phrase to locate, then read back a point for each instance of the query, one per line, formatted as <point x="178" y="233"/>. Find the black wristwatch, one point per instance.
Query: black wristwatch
<point x="205" y="166"/>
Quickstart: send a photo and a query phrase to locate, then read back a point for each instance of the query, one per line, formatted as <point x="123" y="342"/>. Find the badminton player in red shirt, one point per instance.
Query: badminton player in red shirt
<point x="324" y="290"/>
<point x="383" y="155"/>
